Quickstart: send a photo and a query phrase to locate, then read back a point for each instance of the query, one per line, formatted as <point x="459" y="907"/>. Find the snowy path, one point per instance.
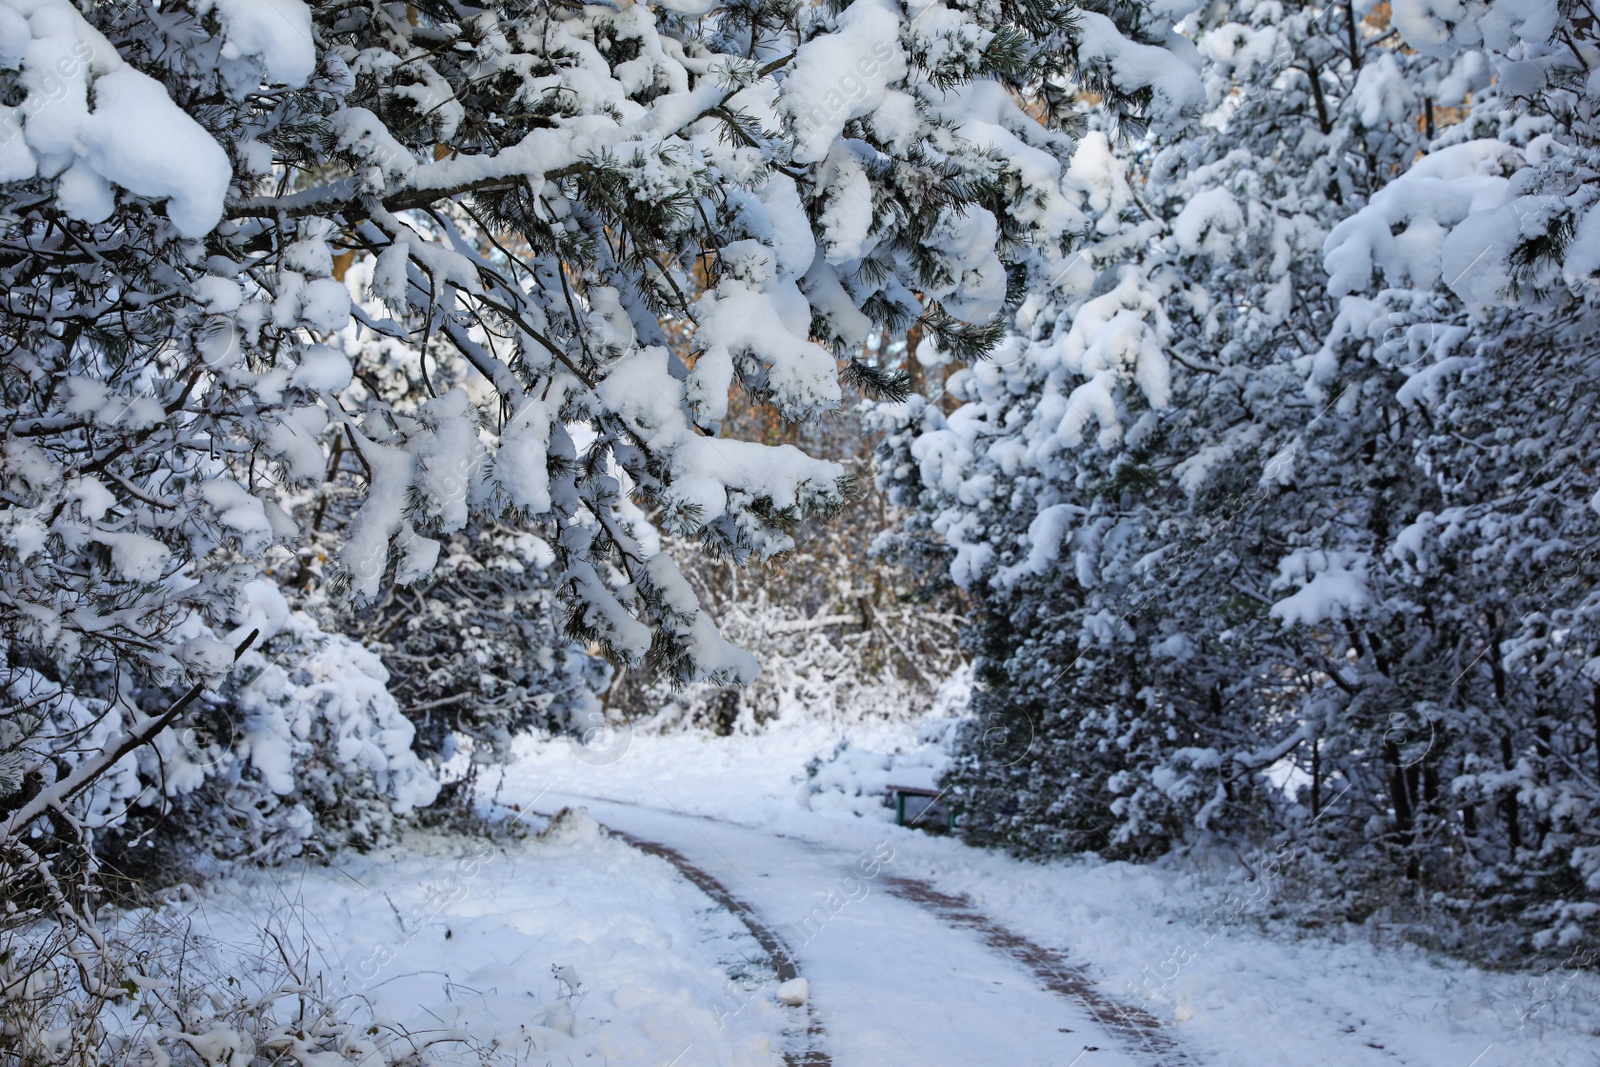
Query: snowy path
<point x="899" y="973"/>
<point x="811" y="1050"/>
<point x="1197" y="948"/>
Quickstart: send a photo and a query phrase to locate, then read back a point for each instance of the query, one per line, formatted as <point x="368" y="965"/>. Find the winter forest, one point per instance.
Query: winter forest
<point x="723" y="533"/>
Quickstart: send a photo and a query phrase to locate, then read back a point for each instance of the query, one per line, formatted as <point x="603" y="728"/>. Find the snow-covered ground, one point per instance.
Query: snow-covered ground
<point x="578" y="948"/>
<point x="891" y="981"/>
<point x="567" y="948"/>
<point x="1230" y="994"/>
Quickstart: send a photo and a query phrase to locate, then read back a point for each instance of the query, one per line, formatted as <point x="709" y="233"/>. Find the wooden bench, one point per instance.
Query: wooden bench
<point x="944" y="818"/>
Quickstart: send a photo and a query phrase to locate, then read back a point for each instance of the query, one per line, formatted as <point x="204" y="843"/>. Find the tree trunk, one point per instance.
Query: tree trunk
<point x="1510" y="810"/>
<point x="1316" y="779"/>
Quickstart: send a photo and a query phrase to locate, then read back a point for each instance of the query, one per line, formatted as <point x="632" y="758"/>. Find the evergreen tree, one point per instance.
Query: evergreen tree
<point x="1251" y="550"/>
<point x="332" y="293"/>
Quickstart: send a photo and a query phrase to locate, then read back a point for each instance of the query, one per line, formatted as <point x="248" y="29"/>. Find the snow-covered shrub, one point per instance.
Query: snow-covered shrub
<point x="161" y="991"/>
<point x="302" y="743"/>
<point x="855" y="779"/>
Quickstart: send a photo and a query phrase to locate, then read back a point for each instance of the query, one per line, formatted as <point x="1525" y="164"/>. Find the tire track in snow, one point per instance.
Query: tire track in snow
<point x="1140" y="1034"/>
<point x="777" y="952"/>
<point x="1139" y="1031"/>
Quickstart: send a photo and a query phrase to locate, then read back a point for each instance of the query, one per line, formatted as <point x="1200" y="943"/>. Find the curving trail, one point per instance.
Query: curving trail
<point x="904" y="974"/>
<point x="815" y="1052"/>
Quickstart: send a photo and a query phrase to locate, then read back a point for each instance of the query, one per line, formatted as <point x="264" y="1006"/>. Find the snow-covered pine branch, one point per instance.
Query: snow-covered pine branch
<point x="222" y="227"/>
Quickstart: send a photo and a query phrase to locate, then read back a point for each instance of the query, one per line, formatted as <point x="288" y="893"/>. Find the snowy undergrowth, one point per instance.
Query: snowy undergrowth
<point x="834" y="767"/>
<point x="855" y="779"/>
<point x="567" y="946"/>
<point x="1198" y="948"/>
<point x="846" y="758"/>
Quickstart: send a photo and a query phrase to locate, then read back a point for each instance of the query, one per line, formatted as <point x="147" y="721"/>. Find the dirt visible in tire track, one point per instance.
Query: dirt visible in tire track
<point x="1141" y="1032"/>
<point x="782" y="961"/>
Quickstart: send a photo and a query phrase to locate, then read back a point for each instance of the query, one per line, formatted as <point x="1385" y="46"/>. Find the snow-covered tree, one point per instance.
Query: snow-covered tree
<point x="539" y="189"/>
<point x="324" y="289"/>
<point x="1481" y="257"/>
<point x="1252" y="536"/>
